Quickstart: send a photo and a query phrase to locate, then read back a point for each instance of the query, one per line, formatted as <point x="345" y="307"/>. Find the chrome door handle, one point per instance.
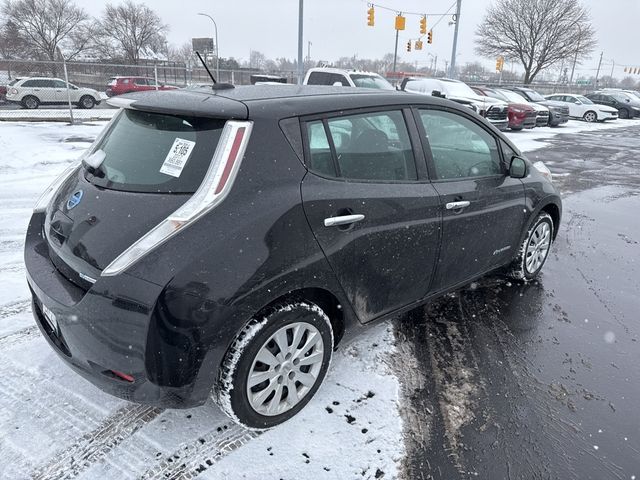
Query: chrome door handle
<point x="457" y="205"/>
<point x="342" y="220"/>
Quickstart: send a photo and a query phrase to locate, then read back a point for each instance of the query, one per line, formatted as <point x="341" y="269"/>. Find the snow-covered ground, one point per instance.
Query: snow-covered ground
<point x="55" y="425"/>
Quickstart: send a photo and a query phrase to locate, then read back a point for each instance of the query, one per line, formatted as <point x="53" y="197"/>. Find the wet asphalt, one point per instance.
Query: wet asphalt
<point x="505" y="380"/>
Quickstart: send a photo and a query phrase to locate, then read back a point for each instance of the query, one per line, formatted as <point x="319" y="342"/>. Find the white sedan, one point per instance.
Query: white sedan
<point x="581" y="107"/>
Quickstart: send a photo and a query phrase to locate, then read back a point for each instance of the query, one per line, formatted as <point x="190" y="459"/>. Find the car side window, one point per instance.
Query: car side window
<point x="336" y="78"/>
<point x="47" y="83"/>
<point x="370" y="146"/>
<point x="59" y="84"/>
<point x="373" y="146"/>
<point x="30" y="83"/>
<point x="460" y="148"/>
<point x="321" y="159"/>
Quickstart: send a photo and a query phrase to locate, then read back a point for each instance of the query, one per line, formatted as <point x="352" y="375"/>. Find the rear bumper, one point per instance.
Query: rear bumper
<point x="106" y="329"/>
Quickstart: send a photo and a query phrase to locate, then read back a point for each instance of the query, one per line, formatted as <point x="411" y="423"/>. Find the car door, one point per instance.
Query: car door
<point x="371" y="208"/>
<point x="483" y="207"/>
<point x="141" y="84"/>
<point x="60" y="95"/>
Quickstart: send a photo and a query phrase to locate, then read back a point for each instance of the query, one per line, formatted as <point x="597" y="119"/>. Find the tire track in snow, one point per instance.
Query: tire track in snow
<point x="95" y="445"/>
<point x="193" y="458"/>
<point x="21" y="336"/>
<point x="14" y="308"/>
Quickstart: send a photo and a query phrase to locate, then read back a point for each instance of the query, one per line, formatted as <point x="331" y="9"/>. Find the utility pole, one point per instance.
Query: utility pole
<point x="613" y="65"/>
<point x="598" y="72"/>
<point x="452" y="72"/>
<point x="395" y="52"/>
<point x="300" y="25"/>
<point x="308" y="51"/>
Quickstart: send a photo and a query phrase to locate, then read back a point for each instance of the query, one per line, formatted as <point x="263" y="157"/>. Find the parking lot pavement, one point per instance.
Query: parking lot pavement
<point x="500" y="380"/>
<point x="540" y="380"/>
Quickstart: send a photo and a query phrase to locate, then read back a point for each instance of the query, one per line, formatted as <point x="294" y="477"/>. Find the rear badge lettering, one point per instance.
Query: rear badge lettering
<point x="74" y="199"/>
<point x="503" y="249"/>
<point x="177" y="157"/>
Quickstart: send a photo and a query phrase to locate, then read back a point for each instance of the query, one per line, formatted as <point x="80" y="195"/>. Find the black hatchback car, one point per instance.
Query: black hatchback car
<point x="225" y="242"/>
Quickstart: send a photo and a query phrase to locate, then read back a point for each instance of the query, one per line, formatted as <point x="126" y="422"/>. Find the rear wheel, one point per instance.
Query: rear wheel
<point x="275" y="365"/>
<point x="30" y="102"/>
<point x="590" y="116"/>
<point x="534" y="249"/>
<point x="87" y="102"/>
<point x="624" y="113"/>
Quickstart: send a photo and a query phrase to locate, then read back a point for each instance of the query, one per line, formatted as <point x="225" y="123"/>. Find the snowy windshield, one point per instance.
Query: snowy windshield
<point x="584" y="100"/>
<point x="535" y="96"/>
<point x="370" y="81"/>
<point x="154" y="153"/>
<point x="459" y="89"/>
<point x="513" y="96"/>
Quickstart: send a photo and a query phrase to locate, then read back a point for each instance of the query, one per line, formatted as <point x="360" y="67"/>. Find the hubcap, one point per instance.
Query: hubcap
<point x="31" y="103"/>
<point x="285" y="369"/>
<point x="590" y="117"/>
<point x="538" y="247"/>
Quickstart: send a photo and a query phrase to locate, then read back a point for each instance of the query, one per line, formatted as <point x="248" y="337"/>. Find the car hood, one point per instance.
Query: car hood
<point x="551" y="103"/>
<point x="539" y="107"/>
<point x="604" y="108"/>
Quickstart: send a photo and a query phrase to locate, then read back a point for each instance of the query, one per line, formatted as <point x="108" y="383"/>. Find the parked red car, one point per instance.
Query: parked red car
<point x="520" y="115"/>
<point x="121" y="85"/>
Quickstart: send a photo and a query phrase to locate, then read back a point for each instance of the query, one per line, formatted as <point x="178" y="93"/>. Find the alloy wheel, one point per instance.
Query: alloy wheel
<point x="538" y="247"/>
<point x="590" y="117"/>
<point x="285" y="369"/>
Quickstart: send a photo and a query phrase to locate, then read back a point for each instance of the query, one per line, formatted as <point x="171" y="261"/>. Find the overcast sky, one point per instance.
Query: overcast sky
<point x="338" y="28"/>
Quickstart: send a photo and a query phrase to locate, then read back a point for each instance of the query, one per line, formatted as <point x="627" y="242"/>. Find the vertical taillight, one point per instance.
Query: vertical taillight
<point x="214" y="188"/>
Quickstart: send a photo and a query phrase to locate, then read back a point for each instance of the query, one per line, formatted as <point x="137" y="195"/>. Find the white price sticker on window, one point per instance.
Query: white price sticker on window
<point x="177" y="157"/>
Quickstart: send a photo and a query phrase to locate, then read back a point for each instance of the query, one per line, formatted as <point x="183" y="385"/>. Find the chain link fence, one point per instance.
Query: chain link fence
<point x="37" y="90"/>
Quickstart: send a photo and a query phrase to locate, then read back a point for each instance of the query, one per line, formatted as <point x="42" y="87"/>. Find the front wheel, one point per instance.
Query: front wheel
<point x="624" y="113"/>
<point x="275" y="365"/>
<point x="534" y="250"/>
<point x="590" y="117"/>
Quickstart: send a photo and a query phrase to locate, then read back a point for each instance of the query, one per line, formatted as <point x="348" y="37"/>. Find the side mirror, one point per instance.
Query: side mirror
<point x="518" y="168"/>
<point x="437" y="93"/>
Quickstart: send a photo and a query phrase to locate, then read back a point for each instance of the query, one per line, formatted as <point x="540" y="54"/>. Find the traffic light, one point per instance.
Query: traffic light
<point x="409" y="46"/>
<point x="430" y="37"/>
<point x="371" y="16"/>
<point x="400" y="21"/>
<point x="418" y="45"/>
<point x="423" y="25"/>
<point x="499" y="64"/>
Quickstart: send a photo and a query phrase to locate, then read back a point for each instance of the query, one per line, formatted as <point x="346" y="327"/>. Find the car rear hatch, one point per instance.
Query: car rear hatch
<point x="142" y="168"/>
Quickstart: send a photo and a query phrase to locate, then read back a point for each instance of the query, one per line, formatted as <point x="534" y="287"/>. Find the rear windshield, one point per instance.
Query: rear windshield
<point x="370" y="81"/>
<point x="154" y="153"/>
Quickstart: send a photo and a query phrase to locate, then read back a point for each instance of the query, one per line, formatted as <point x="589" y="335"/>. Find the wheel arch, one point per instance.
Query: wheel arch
<point x="553" y="210"/>
<point x="323" y="298"/>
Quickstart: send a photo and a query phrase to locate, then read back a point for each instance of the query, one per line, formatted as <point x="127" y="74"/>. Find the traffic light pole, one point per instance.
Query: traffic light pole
<point x="395" y="52"/>
<point x="452" y="70"/>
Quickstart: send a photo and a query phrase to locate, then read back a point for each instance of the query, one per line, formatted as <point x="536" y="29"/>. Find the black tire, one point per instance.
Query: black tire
<point x="30" y="102"/>
<point x="520" y="269"/>
<point x="516" y="129"/>
<point x="590" y="116"/>
<point x="87" y="101"/>
<point x="230" y="390"/>
<point x="624" y="113"/>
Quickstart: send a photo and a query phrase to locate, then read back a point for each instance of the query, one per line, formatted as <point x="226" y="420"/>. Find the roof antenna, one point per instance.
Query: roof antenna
<point x="216" y="85"/>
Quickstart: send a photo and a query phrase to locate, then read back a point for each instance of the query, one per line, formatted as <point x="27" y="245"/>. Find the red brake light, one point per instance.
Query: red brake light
<point x="123" y="376"/>
<point x="233" y="154"/>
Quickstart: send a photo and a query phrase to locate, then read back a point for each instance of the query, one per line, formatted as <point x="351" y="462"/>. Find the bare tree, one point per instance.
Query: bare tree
<point x="536" y="33"/>
<point x="37" y="27"/>
<point x="131" y="30"/>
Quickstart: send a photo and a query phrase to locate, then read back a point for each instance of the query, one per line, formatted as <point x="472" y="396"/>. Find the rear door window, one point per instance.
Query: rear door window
<point x="140" y="146"/>
<point x="371" y="146"/>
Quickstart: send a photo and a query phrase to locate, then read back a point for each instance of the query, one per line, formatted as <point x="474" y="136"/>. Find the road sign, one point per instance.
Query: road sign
<point x="202" y="44"/>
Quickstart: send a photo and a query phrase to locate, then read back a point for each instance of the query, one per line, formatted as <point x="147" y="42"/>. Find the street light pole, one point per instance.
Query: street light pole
<point x="217" y="49"/>
<point x="66" y="79"/>
<point x="300" y="47"/>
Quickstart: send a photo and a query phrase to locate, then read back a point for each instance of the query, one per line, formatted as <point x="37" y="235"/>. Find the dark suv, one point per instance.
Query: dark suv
<point x="225" y="242"/>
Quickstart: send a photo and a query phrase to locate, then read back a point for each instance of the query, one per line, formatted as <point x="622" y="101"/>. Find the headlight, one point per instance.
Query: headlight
<point x="47" y="195"/>
<point x="542" y="168"/>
